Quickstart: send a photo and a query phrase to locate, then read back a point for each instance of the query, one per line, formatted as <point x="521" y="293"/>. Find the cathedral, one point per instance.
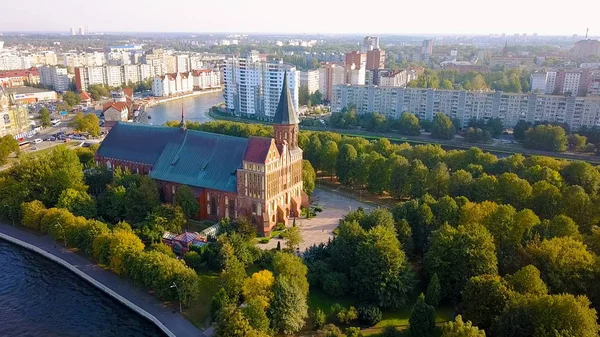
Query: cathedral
<point x="258" y="178"/>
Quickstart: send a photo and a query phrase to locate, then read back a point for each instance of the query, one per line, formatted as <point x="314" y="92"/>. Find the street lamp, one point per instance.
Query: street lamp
<point x="10" y="215"/>
<point x="178" y="295"/>
<point x="63" y="231"/>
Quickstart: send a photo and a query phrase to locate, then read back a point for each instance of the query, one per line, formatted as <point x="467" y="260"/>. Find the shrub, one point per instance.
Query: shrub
<point x="161" y="247"/>
<point x="353" y="332"/>
<point x="192" y="260"/>
<point x="335" y="284"/>
<point x="280" y="226"/>
<point x="331" y="330"/>
<point x="33" y="212"/>
<point x="346" y="316"/>
<point x="369" y="314"/>
<point x="433" y="294"/>
<point x="318" y="318"/>
<point x="391" y="331"/>
<point x="264" y="240"/>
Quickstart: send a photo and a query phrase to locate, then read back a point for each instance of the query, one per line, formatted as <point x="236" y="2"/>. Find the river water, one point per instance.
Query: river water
<point x="194" y="109"/>
<point x="40" y="298"/>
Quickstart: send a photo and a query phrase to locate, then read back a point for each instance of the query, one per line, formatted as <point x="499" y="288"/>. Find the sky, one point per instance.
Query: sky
<point x="472" y="17"/>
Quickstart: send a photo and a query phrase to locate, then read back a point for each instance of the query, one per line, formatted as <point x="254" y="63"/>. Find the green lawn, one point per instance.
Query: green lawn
<point x="199" y="312"/>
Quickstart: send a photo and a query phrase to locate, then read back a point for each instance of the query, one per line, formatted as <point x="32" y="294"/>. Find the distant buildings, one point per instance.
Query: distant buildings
<point x="14" y="119"/>
<point x="310" y="79"/>
<point x="585" y="49"/>
<point x="461" y="104"/>
<point x="252" y="86"/>
<point x="25" y="95"/>
<point x="55" y="78"/>
<point x="172" y="84"/>
<point x="396" y="78"/>
<point x="19" y="78"/>
<point x="355" y="65"/>
<point x="206" y="79"/>
<point x="577" y="82"/>
<point x="427" y="47"/>
<point x="370" y="43"/>
<point x="112" y="76"/>
<point x="330" y="74"/>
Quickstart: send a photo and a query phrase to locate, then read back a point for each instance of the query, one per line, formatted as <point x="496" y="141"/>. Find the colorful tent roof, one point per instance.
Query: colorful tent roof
<point x="186" y="237"/>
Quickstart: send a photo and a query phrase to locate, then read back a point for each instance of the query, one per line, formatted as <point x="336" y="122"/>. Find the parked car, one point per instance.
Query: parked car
<point x="50" y="139"/>
<point x="38" y="140"/>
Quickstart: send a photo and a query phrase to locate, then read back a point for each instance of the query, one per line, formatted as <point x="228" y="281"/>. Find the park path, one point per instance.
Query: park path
<point x="176" y="323"/>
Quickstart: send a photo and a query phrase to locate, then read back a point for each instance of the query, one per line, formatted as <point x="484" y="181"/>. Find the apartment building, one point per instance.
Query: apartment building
<point x="74" y="60"/>
<point x="19" y="78"/>
<point x="206" y="79"/>
<point x="464" y="105"/>
<point x="55" y="77"/>
<point x="330" y="74"/>
<point x="172" y="84"/>
<point x="112" y="76"/>
<point x="355" y="65"/>
<point x="310" y="79"/>
<point x="252" y="86"/>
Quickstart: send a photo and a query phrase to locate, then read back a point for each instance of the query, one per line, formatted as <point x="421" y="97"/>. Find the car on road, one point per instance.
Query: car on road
<point x="38" y="140"/>
<point x="50" y="139"/>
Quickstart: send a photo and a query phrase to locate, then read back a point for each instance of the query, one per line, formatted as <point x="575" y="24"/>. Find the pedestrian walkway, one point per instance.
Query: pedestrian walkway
<point x="176" y="323"/>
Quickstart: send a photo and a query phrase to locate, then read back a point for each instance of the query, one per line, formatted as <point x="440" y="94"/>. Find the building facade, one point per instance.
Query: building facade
<point x="112" y="76"/>
<point x="464" y="105"/>
<point x="252" y="86"/>
<point x="172" y="84"/>
<point x="206" y="79"/>
<point x="310" y="79"/>
<point x="585" y="49"/>
<point x="14" y="119"/>
<point x="19" y="78"/>
<point x="330" y="74"/>
<point x="55" y="77"/>
<point x="260" y="178"/>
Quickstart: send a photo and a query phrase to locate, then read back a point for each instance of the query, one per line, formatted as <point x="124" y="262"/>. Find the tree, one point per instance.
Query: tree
<point x="548" y="315"/>
<point x="477" y="135"/>
<point x="520" y="128"/>
<point x="527" y="281"/>
<point x="484" y="298"/>
<point x="381" y="274"/>
<point x="233" y="276"/>
<point x="458" y="328"/>
<point x="45" y="117"/>
<point x="98" y="91"/>
<point x="369" y="314"/>
<point x="546" y="137"/>
<point x="577" y="142"/>
<point x="8" y="145"/>
<point x="422" y="319"/>
<point x="545" y="199"/>
<point x="88" y="123"/>
<point x="329" y="156"/>
<point x="288" y="308"/>
<point x="335" y="284"/>
<point x="168" y="251"/>
<point x="513" y="190"/>
<point x="140" y="199"/>
<point x="71" y="98"/>
<point x="186" y="199"/>
<point x="565" y="264"/>
<point x="309" y="177"/>
<point x="293" y="237"/>
<point x="345" y="165"/>
<point x="32" y="213"/>
<point x="77" y="202"/>
<point x="318" y="318"/>
<point x="379" y="175"/>
<point x="256" y="314"/>
<point x="439" y="180"/>
<point x="314" y="152"/>
<point x="378" y="217"/>
<point x="330" y="330"/>
<point x="582" y="174"/>
<point x="559" y="226"/>
<point x="191" y="258"/>
<point x="303" y="95"/>
<point x="409" y="124"/>
<point x="442" y="127"/>
<point x="457" y="254"/>
<point x="433" y="294"/>
<point x="290" y="266"/>
<point x="232" y="323"/>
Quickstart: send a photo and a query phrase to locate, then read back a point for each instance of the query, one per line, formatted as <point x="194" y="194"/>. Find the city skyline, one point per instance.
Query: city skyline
<point x="456" y="18"/>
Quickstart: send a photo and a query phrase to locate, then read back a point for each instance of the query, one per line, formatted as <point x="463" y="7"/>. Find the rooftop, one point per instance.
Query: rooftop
<point x="25" y="90"/>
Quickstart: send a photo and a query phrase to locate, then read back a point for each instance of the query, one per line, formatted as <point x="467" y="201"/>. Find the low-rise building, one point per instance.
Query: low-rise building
<point x="206" y="79"/>
<point x="172" y="84"/>
<point x="25" y="95"/>
<point x="115" y="112"/>
<point x="19" y="78"/>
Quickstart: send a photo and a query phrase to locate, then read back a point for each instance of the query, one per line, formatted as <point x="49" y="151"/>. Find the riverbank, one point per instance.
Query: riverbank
<point x="156" y="102"/>
<point x="170" y="322"/>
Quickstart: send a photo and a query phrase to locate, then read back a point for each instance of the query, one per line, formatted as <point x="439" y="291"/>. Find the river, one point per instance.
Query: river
<point x="194" y="108"/>
<point x="41" y="298"/>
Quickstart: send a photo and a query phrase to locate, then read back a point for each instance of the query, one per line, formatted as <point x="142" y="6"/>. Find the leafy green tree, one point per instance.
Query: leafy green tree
<point x="8" y="145"/>
<point x="140" y="199"/>
<point x="548" y="315"/>
<point x="559" y="226"/>
<point x="439" y="180"/>
<point x="256" y="314"/>
<point x="233" y="276"/>
<point x="318" y="318"/>
<point x="71" y="98"/>
<point x="520" y="128"/>
<point x="369" y="314"/>
<point x="457" y="254"/>
<point x="578" y="205"/>
<point x="345" y="165"/>
<point x="86" y="123"/>
<point x="460" y="183"/>
<point x="344" y="247"/>
<point x="513" y="190"/>
<point x="330" y="330"/>
<point x="419" y="216"/>
<point x="45" y="117"/>
<point x="565" y="264"/>
<point x="292" y="237"/>
<point x="400" y="180"/>
<point x="163" y="248"/>
<point x="290" y="266"/>
<point x="409" y="124"/>
<point x="422" y="318"/>
<point x="379" y="175"/>
<point x="232" y="323"/>
<point x="545" y="200"/>
<point x="433" y="294"/>
<point x="377" y="217"/>
<point x="442" y="127"/>
<point x="484" y="299"/>
<point x="381" y="273"/>
<point x="329" y="156"/>
<point x="582" y="174"/>
<point x="577" y="142"/>
<point x="309" y="177"/>
<point x="77" y="202"/>
<point x="98" y="91"/>
<point x="458" y="328"/>
<point x="527" y="281"/>
<point x="546" y="137"/>
<point x="335" y="284"/>
<point x="314" y="152"/>
<point x="186" y="199"/>
<point x="288" y="308"/>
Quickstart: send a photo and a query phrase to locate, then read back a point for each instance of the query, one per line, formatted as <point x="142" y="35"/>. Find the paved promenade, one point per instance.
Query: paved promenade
<point x="174" y="322"/>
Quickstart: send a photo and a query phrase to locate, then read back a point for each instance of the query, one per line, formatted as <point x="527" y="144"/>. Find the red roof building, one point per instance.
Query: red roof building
<point x="18" y="78"/>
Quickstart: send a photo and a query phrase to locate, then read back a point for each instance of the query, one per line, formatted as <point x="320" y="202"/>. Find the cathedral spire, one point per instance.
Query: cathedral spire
<point x="182" y="124"/>
<point x="285" y="113"/>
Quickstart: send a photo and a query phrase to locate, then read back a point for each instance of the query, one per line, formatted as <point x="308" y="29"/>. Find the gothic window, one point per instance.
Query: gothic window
<point x="213" y="205"/>
<point x="232" y="207"/>
<point x="208" y="203"/>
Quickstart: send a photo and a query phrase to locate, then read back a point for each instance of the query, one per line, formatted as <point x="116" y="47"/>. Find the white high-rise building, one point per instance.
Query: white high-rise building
<point x="55" y="77"/>
<point x="253" y="87"/>
<point x="571" y="83"/>
<point x="539" y="81"/>
<point x="182" y="63"/>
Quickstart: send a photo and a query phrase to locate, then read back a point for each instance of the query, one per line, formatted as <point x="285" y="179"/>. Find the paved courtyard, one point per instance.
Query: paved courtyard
<point x="320" y="228"/>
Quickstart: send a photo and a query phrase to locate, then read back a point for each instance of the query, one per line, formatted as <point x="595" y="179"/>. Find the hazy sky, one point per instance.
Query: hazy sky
<point x="309" y="16"/>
